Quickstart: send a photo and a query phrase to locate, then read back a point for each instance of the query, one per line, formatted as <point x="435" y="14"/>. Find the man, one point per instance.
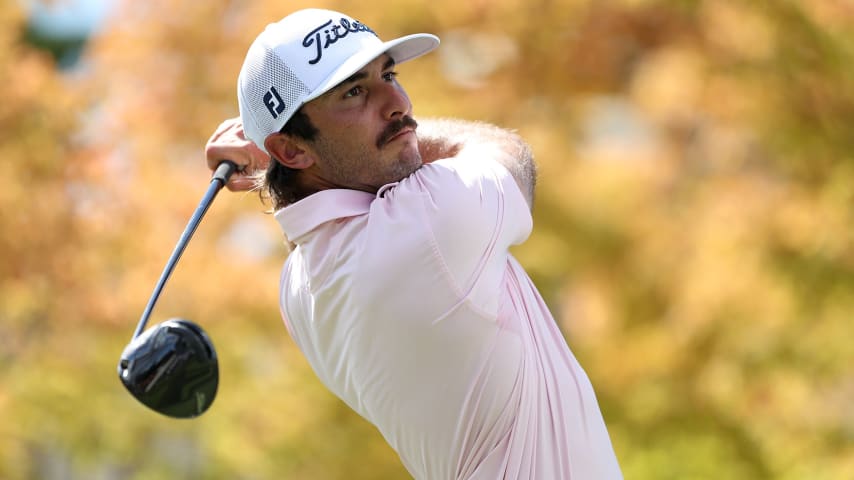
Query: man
<point x="400" y="290"/>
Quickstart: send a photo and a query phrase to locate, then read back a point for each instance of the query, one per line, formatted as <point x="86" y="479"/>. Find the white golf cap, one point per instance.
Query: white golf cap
<point x="304" y="55"/>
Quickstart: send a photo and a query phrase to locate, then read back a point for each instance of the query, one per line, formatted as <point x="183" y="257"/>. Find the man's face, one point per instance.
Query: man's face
<point x="366" y="133"/>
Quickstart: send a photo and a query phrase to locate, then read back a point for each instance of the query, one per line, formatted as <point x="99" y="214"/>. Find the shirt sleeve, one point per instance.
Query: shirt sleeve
<point x="475" y="212"/>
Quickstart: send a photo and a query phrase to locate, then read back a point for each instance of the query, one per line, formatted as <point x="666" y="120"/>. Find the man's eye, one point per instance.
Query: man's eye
<point x="389" y="76"/>
<point x="353" y="92"/>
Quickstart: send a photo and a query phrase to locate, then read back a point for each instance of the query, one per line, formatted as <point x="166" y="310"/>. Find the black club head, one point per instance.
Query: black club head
<point x="172" y="368"/>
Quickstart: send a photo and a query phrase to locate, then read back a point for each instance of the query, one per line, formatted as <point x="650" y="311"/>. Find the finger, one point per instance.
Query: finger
<point x="225" y="126"/>
<point x="222" y="149"/>
<point x="241" y="183"/>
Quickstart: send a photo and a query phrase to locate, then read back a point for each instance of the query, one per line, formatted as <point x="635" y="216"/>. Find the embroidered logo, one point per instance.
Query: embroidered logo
<point x="325" y="35"/>
<point x="276" y="108"/>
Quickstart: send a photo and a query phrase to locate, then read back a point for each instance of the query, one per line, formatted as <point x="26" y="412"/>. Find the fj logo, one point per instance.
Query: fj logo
<point x="277" y="107"/>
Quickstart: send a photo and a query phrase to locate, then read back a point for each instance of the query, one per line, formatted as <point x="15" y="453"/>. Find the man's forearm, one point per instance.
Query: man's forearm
<point x="445" y="138"/>
<point x="437" y="138"/>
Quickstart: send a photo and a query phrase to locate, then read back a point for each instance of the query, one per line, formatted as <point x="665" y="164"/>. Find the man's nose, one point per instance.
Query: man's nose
<point x="396" y="102"/>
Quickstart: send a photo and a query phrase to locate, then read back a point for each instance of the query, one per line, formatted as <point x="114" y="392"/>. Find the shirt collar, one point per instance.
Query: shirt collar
<point x="302" y="217"/>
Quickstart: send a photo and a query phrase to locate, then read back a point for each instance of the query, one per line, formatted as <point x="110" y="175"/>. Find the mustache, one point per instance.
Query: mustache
<point x="394" y="128"/>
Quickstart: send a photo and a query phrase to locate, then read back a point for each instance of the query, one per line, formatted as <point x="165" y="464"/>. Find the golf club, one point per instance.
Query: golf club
<point x="172" y="368"/>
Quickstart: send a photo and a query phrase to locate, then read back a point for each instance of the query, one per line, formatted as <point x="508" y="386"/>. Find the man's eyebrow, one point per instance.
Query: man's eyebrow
<point x="353" y="78"/>
<point x="390" y="63"/>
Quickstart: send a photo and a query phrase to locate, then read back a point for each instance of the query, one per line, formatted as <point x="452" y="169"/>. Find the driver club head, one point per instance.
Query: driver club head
<point x="172" y="368"/>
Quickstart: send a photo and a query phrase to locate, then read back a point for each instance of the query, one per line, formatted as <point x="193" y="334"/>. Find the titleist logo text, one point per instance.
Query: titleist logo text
<point x="322" y="37"/>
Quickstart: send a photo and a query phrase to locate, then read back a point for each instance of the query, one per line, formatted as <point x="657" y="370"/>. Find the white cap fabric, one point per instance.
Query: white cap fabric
<point x="304" y="55"/>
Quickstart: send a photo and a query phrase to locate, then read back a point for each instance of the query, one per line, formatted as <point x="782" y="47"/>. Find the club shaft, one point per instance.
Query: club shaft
<point x="219" y="179"/>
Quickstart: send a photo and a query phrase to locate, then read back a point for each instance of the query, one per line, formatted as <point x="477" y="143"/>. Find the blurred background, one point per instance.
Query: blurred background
<point x="694" y="229"/>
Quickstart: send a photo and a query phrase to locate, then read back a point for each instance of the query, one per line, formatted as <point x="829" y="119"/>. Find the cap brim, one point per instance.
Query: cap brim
<point x="400" y="50"/>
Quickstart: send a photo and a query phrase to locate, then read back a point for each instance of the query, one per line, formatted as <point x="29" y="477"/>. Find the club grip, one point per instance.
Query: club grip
<point x="223" y="171"/>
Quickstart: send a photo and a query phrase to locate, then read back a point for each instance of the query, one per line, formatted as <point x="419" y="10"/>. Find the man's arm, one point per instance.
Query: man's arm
<point x="445" y="138"/>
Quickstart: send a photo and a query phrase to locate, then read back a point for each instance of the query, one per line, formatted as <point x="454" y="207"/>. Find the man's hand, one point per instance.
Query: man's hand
<point x="229" y="143"/>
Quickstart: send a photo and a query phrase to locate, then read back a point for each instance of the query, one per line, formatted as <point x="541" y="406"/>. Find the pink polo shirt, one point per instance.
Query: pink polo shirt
<point x="409" y="308"/>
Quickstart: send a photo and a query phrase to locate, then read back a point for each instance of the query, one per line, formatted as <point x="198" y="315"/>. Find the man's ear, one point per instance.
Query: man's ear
<point x="288" y="152"/>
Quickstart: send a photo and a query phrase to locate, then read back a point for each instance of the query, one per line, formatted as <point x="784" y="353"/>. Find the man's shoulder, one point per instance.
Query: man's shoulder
<point x="449" y="180"/>
<point x="473" y="162"/>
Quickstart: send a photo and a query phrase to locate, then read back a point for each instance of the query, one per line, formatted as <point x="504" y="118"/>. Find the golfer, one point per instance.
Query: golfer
<point x="399" y="288"/>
